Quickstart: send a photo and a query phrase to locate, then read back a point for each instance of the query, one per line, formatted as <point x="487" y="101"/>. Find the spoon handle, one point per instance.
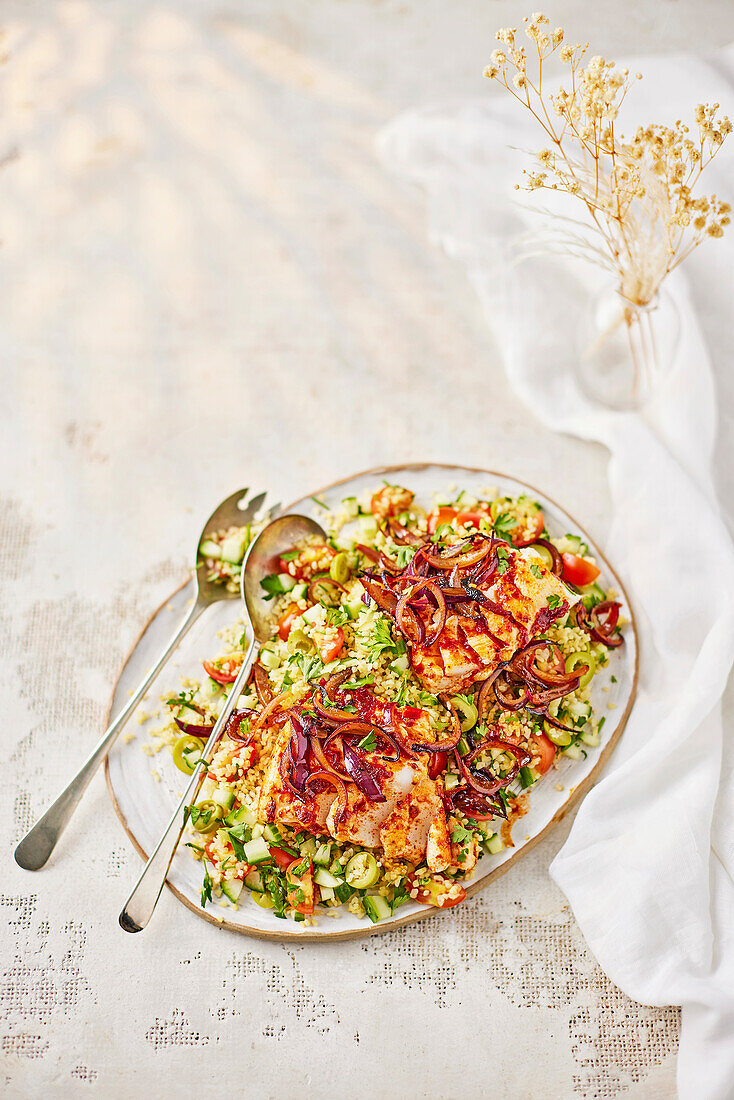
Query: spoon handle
<point x="138" y="908"/>
<point x="41" y="839"/>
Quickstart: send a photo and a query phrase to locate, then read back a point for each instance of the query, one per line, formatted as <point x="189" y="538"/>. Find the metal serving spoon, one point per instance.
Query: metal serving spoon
<point x="39" y="842"/>
<point x="280" y="535"/>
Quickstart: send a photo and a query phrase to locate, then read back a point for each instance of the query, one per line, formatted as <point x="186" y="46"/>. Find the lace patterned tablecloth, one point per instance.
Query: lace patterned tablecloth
<point x="209" y="281"/>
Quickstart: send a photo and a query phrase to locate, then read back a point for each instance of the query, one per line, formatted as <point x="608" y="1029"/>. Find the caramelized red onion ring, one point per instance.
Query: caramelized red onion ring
<point x="336" y="680"/>
<point x="270" y="709"/>
<point x="475" y="805"/>
<point x="332" y="714"/>
<point x="603" y="621"/>
<point x="326" y="764"/>
<point x="363" y="774"/>
<point x="556" y="559"/>
<point x="193" y="729"/>
<point x="263" y="687"/>
<point x="383" y="596"/>
<point x="402" y="536"/>
<point x="462" y="554"/>
<point x="337" y="783"/>
<point x="232" y="728"/>
<point x="439" y="617"/>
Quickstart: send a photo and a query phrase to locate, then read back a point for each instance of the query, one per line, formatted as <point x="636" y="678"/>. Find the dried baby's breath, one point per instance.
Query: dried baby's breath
<point x="638" y="191"/>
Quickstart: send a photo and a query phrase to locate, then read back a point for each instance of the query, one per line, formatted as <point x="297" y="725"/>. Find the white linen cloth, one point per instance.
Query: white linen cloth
<point x="649" y="865"/>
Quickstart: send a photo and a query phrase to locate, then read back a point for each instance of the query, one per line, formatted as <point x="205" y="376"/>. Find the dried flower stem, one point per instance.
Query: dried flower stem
<point x="638" y="192"/>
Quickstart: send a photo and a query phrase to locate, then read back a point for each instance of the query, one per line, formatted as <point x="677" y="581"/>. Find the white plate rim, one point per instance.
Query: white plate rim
<point x="287" y="931"/>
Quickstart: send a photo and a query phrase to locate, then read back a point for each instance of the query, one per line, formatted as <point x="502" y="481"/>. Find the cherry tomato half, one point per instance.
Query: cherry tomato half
<point x="546" y="752"/>
<point x="443" y="515"/>
<point x="578" y="571"/>
<point x="224" y="671"/>
<point x="329" y="643"/>
<point x="285" y="622"/>
<point x="283" y="859"/>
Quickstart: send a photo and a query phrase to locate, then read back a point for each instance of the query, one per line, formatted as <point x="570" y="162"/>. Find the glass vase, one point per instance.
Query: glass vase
<point x="625" y="350"/>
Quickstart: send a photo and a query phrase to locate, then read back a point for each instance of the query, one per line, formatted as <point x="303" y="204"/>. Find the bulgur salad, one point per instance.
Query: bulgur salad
<point x="426" y="669"/>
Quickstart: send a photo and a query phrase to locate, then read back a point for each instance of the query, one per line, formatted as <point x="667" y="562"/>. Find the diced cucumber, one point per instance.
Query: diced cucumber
<point x="308" y="847"/>
<point x="401" y="664"/>
<point x="232" y="888"/>
<point x="322" y="857"/>
<point x="450" y="780"/>
<point x="210" y="549"/>
<point x="254" y="881"/>
<point x="327" y="894"/>
<point x="485" y="828"/>
<point x="343" y="893"/>
<point x="591" y="738"/>
<point x="224" y="796"/>
<point x="324" y="878"/>
<point x="287" y="581"/>
<point x="353" y="608"/>
<point x="256" y="850"/>
<point x="591" y="595"/>
<point x="313" y="614"/>
<point x="575" y="545"/>
<point x="272" y="835"/>
<point x="268" y="659"/>
<point x="376" y="907"/>
<point x="576" y="709"/>
<point x="526" y="777"/>
<point x="234" y="546"/>
<point x="368" y="527"/>
<point x="573" y="752"/>
<point x="336" y="867"/>
<point x="495" y="844"/>
<point x="242" y="816"/>
<point x="299" y="590"/>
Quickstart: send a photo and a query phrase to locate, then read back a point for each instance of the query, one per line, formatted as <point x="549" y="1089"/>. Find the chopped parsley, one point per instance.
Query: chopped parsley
<point x="183" y="699"/>
<point x="503" y="560"/>
<point x="206" y="889"/>
<point x="369" y="742"/>
<point x="273" y="586"/>
<point x="460" y="835"/>
<point x="380" y="639"/>
<point x="536" y="570"/>
<point x="350" y="685"/>
<point x="320" y="503"/>
<point x="336" y="616"/>
<point x="554" y="601"/>
<point x="504" y="524"/>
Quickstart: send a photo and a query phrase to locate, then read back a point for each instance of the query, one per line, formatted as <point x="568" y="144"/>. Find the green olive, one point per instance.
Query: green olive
<point x="468" y="713"/>
<point x="263" y="900"/>
<point x="208" y="817"/>
<point x="299" y="642"/>
<point x="544" y="553"/>
<point x="183" y="749"/>
<point x="558" y="737"/>
<point x="339" y="569"/>
<point x="575" y="660"/>
<point x="362" y="871"/>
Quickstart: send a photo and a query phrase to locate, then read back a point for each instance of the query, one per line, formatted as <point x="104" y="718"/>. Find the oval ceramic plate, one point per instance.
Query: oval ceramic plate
<point x="145" y="789"/>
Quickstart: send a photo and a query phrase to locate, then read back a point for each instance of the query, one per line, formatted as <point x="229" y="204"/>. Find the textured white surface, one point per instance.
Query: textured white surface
<point x="209" y="279"/>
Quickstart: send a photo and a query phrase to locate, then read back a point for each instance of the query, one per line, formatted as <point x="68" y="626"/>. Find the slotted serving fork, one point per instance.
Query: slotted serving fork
<point x="39" y="842"/>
